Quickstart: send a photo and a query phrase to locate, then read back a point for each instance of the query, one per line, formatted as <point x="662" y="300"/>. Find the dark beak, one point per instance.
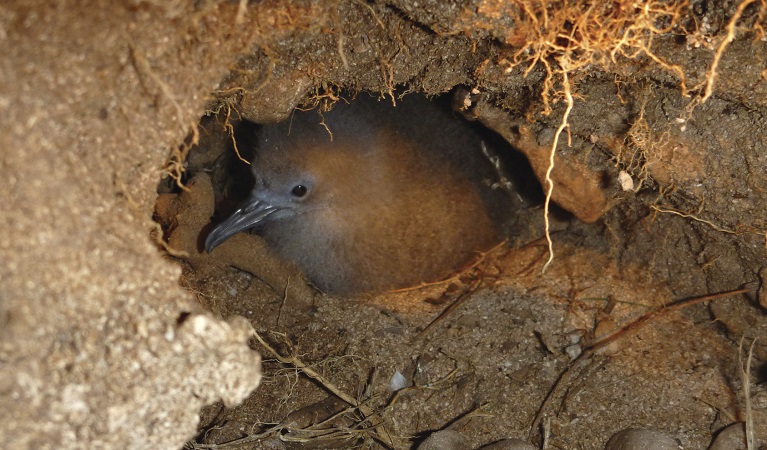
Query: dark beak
<point x="246" y="217"/>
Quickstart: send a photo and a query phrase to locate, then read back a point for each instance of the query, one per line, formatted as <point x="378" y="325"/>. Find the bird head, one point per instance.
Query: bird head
<point x="280" y="192"/>
<point x="301" y="169"/>
<point x="296" y="173"/>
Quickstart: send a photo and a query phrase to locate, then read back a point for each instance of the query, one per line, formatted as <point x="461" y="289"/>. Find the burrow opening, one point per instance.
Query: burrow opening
<point x="634" y="179"/>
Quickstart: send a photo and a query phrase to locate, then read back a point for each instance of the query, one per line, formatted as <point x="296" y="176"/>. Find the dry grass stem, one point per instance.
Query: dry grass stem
<point x="745" y="375"/>
<point x="377" y="429"/>
<point x="453" y="306"/>
<point x="457" y="276"/>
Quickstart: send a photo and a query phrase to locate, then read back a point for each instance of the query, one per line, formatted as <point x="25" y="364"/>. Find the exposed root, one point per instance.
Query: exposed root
<point x="230" y="129"/>
<point x="143" y="67"/>
<point x="341" y="37"/>
<point x="174" y="167"/>
<point x="372" y="12"/>
<point x="242" y="7"/>
<point x="549" y="182"/>
<point x="579" y="34"/>
<point x="711" y="76"/>
<point x="737" y="232"/>
<point x="157" y="235"/>
<point x="644" y="148"/>
<point x="695" y="218"/>
<point x="584" y="33"/>
<point x="322" y="99"/>
<point x="576" y="35"/>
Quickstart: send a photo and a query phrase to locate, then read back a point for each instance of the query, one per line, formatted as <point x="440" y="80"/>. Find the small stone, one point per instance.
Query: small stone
<point x="625" y="180"/>
<point x="641" y="439"/>
<point x="398" y="381"/>
<point x="573" y="351"/>
<point x="732" y="437"/>
<point x="445" y="440"/>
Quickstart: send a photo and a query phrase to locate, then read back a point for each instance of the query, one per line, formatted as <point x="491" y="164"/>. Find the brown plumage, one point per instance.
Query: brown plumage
<point x="399" y="195"/>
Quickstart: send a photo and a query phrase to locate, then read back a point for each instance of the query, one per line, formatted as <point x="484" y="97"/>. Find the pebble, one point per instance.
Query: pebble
<point x="732" y="437"/>
<point x="641" y="439"/>
<point x="445" y="440"/>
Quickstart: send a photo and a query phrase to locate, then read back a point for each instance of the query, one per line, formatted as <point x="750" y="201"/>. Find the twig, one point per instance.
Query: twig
<point x="311" y="373"/>
<point x="461" y="272"/>
<point x="284" y="300"/>
<point x="381" y="434"/>
<point x="237" y="442"/>
<point x="659" y="313"/>
<point x="627" y="330"/>
<point x="458" y="302"/>
<point x="720" y="51"/>
<point x="746" y="377"/>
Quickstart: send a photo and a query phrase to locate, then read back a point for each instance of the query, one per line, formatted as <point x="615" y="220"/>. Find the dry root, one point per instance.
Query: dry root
<point x="568" y="37"/>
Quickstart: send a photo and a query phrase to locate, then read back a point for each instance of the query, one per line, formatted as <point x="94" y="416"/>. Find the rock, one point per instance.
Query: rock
<point x="641" y="439"/>
<point x="445" y="440"/>
<point x="732" y="437"/>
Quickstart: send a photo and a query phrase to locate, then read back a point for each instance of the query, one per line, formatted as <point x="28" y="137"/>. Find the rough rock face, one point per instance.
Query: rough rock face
<point x="99" y="346"/>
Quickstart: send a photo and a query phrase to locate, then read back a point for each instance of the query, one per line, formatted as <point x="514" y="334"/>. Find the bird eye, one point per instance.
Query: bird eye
<point x="299" y="191"/>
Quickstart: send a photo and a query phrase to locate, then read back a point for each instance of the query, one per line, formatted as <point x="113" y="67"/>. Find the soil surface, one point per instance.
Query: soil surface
<point x="580" y="351"/>
<point x="658" y="229"/>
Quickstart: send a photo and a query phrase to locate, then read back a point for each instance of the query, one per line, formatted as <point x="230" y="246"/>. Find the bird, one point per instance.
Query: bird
<point x="369" y="197"/>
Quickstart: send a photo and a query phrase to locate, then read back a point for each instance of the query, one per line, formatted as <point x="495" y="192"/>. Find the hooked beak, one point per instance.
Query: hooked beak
<point x="246" y="217"/>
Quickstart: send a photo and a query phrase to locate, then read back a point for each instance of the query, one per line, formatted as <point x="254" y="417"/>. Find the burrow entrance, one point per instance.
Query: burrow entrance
<point x="661" y="201"/>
